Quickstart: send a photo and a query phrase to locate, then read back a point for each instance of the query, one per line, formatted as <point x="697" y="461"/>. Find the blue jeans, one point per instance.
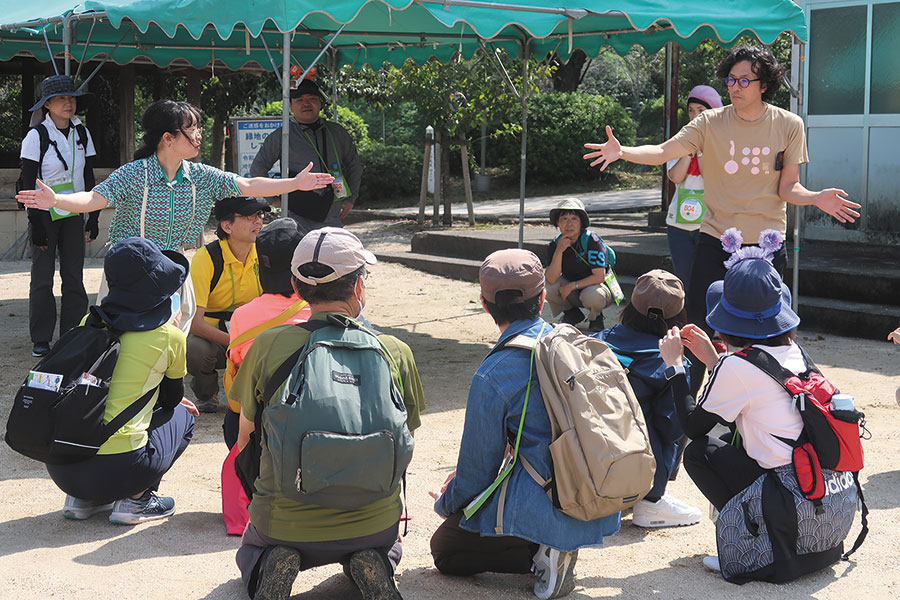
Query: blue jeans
<point x="682" y="246"/>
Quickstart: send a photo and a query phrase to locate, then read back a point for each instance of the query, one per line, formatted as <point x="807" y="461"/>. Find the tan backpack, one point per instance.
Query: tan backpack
<point x="602" y="461"/>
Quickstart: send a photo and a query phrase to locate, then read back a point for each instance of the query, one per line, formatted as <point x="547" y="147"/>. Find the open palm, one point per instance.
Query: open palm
<point x="605" y="154"/>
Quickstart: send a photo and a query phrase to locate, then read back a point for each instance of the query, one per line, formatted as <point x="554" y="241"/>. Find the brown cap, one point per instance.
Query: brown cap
<point x="513" y="270"/>
<point x="660" y="290"/>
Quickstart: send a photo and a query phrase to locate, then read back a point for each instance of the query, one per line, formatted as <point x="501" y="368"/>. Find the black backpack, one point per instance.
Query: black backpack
<point x="45" y="143"/>
<point x="66" y="425"/>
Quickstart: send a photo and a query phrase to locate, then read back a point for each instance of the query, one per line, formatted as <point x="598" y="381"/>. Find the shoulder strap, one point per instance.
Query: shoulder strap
<point x="43" y="145"/>
<point x="215" y="253"/>
<point x="284" y="315"/>
<point x="81" y="133"/>
<point x="522" y="342"/>
<point x="126" y="415"/>
<point x="767" y="363"/>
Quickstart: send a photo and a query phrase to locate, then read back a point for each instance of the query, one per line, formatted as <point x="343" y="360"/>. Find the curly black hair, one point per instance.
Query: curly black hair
<point x="763" y="64"/>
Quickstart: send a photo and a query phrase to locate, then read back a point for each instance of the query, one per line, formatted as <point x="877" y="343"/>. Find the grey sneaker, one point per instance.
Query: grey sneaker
<point x="40" y="349"/>
<point x="148" y="507"/>
<point x="712" y="564"/>
<point x="78" y="509"/>
<point x="368" y="571"/>
<point x="555" y="571"/>
<point x="209" y="406"/>
<point x="277" y="574"/>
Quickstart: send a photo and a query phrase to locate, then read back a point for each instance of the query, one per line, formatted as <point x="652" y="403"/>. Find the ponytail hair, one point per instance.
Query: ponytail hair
<point x="165" y="116"/>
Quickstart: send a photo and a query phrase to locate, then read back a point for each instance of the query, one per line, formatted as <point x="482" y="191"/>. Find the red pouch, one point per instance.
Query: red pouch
<point x="809" y="471"/>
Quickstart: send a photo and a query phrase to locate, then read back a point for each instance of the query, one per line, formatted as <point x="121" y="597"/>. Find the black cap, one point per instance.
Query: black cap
<point x="239" y="205"/>
<point x="275" y="246"/>
<point x="308" y="86"/>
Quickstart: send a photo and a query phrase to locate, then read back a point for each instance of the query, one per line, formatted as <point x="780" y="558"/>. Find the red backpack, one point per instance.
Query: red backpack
<point x="830" y="439"/>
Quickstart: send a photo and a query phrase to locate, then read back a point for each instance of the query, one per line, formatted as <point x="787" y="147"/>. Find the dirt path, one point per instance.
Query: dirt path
<point x="189" y="556"/>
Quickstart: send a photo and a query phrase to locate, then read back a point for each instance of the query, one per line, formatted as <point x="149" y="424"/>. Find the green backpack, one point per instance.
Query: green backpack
<point x="337" y="434"/>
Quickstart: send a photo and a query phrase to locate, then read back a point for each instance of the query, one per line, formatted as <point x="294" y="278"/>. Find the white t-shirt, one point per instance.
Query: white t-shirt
<point x="741" y="393"/>
<point x="691" y="182"/>
<point x="51" y="167"/>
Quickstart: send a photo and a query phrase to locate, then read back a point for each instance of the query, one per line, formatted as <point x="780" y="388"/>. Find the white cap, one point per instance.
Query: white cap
<point x="333" y="247"/>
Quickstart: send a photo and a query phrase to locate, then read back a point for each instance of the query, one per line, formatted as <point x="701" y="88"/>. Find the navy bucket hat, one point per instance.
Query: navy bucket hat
<point x="62" y="85"/>
<point x="141" y="280"/>
<point x="751" y="302"/>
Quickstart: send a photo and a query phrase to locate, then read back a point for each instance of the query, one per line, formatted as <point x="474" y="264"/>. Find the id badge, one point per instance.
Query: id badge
<point x="63" y="185"/>
<point x="690" y="208"/>
<point x="339" y="185"/>
<point x="613" y="284"/>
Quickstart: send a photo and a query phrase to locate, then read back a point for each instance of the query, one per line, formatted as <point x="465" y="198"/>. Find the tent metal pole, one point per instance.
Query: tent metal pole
<point x="524" y="98"/>
<point x="50" y="51"/>
<point x="795" y="279"/>
<point x="102" y="62"/>
<point x="271" y="58"/>
<point x="285" y="116"/>
<point x="322" y="51"/>
<point x="67" y="45"/>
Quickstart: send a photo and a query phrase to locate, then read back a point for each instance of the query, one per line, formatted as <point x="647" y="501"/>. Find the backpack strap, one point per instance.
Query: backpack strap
<point x="864" y="513"/>
<point x="283" y="316"/>
<point x="214" y="248"/>
<point x="129" y="413"/>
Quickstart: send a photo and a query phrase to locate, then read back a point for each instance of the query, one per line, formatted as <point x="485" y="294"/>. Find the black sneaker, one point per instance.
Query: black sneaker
<point x="370" y="573"/>
<point x="596" y="324"/>
<point x="40" y="349"/>
<point x="277" y="574"/>
<point x="573" y="316"/>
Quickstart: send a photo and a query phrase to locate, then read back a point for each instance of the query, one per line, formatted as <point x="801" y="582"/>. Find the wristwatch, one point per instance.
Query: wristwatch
<point x="673" y="371"/>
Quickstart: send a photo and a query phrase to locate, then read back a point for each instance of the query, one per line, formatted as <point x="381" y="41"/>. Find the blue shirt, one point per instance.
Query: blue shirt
<point x="493" y="410"/>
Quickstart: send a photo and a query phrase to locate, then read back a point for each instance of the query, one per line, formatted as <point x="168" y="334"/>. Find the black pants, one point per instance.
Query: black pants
<point x="718" y="469"/>
<point x="65" y="237"/>
<point x="459" y="552"/>
<point x="709" y="267"/>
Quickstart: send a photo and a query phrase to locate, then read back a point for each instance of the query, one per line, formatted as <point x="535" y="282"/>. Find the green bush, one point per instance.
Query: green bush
<point x="558" y="126"/>
<point x="348" y="119"/>
<point x="390" y="173"/>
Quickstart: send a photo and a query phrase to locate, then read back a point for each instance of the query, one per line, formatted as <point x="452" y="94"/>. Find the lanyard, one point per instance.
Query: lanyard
<point x="315" y="148"/>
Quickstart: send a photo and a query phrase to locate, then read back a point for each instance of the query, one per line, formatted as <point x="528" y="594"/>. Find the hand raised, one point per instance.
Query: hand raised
<point x="43" y="197"/>
<point x="605" y="154"/>
<point x="671" y="349"/>
<point x="835" y="202"/>
<point x="306" y="180"/>
<point x="696" y="340"/>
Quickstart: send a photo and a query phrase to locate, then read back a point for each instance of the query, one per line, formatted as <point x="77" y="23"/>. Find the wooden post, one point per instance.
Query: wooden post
<point x="423" y="192"/>
<point x="126" y="114"/>
<point x="193" y="87"/>
<point x="670" y="109"/>
<point x="438" y="138"/>
<point x="467" y="180"/>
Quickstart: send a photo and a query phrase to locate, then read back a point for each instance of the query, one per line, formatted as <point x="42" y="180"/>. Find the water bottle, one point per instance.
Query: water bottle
<point x="842" y="402"/>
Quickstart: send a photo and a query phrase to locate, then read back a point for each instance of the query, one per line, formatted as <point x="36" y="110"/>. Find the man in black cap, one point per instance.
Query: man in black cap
<point x="329" y="147"/>
<point x="225" y="275"/>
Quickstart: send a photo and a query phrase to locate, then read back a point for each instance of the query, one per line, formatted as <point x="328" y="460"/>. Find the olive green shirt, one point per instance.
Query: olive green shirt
<point x="279" y="517"/>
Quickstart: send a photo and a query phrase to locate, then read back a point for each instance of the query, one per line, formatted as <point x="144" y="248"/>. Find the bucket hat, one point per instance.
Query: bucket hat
<point x="751" y="302"/>
<point x="62" y="85"/>
<point x="570" y="204"/>
<point x="705" y="95"/>
<point x="141" y="280"/>
<point x="333" y="247"/>
<point x="660" y="290"/>
<point x="275" y="246"/>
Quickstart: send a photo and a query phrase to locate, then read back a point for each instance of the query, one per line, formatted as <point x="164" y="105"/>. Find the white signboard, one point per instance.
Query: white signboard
<point x="248" y="135"/>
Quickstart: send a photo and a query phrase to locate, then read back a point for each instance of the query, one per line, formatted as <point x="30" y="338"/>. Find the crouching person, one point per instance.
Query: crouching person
<point x="517" y="530"/>
<point x="328" y="513"/>
<point x="126" y="472"/>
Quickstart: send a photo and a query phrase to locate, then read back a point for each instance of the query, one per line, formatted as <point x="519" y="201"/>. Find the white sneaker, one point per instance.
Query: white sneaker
<point x="78" y="509"/>
<point x="897" y="393"/>
<point x="668" y="511"/>
<point x="712" y="564"/>
<point x="555" y="572"/>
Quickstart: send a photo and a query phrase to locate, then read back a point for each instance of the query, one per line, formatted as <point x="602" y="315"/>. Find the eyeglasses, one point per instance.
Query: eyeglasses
<point x="191" y="132"/>
<point x="257" y="215"/>
<point x="742" y="82"/>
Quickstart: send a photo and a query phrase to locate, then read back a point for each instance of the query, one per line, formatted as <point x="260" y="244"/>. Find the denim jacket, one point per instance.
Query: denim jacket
<point x="493" y="410"/>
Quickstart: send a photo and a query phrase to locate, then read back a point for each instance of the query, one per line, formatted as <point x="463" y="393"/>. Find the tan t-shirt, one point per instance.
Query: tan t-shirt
<point x="738" y="165"/>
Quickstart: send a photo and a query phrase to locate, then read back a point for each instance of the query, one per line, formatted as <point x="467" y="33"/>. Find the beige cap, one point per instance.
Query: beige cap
<point x="513" y="270"/>
<point x="333" y="247"/>
<point x="660" y="290"/>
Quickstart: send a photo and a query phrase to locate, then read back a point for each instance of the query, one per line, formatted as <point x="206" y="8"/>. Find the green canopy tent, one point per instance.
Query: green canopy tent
<point x="240" y="35"/>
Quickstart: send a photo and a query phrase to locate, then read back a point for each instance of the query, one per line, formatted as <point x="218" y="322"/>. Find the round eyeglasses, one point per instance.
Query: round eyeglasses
<point x="742" y="82"/>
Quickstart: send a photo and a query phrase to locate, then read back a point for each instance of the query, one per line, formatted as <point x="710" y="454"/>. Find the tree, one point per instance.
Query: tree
<point x="569" y="74"/>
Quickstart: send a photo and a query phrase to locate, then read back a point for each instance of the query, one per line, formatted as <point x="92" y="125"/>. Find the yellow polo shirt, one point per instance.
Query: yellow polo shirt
<point x="238" y="285"/>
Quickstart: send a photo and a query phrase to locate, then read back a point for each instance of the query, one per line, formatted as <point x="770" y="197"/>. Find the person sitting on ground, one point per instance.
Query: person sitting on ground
<point x="126" y="471"/>
<point x="534" y="536"/>
<point x="225" y="274"/>
<point x="750" y="307"/>
<point x="285" y="535"/>
<point x="576" y="273"/>
<point x="656" y="305"/>
<point x="278" y="305"/>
